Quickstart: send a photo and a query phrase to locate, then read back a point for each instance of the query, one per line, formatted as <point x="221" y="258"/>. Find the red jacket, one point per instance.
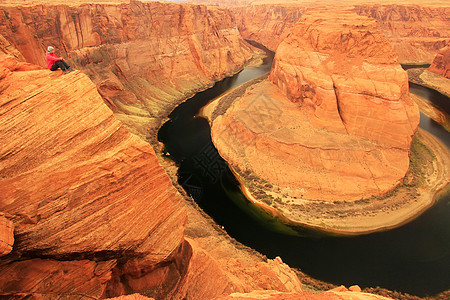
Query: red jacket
<point x="51" y="58"/>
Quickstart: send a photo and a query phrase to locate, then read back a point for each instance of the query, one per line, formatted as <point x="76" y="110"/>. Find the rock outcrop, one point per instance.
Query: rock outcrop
<point x="416" y="32"/>
<point x="330" y="295"/>
<point x="334" y="123"/>
<point x="70" y="172"/>
<point x="6" y="235"/>
<point x="144" y="57"/>
<point x="225" y="3"/>
<point x="94" y="212"/>
<point x="268" y="25"/>
<point x="77" y="185"/>
<point x="47" y="278"/>
<point x="345" y="70"/>
<point x="441" y="63"/>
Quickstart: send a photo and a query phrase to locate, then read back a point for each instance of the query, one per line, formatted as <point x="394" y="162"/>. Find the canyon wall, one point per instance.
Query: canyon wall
<point x="333" y="123"/>
<point x="416" y="32"/>
<point x="144" y="57"/>
<point x="6" y="235"/>
<point x="77" y="185"/>
<point x="266" y="24"/>
<point x="441" y="63"/>
<point x="226" y="3"/>
<point x="94" y="214"/>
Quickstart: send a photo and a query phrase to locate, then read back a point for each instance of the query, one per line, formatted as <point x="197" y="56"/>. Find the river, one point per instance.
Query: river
<point x="414" y="258"/>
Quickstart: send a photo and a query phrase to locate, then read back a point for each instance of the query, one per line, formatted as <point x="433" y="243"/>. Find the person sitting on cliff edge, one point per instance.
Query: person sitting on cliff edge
<point x="54" y="62"/>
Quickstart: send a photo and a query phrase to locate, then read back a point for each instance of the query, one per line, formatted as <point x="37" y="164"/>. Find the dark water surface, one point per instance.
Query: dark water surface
<point x="414" y="258"/>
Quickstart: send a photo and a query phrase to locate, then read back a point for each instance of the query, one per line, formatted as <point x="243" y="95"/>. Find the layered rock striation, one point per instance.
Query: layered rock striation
<point x="95" y="214"/>
<point x="330" y="295"/>
<point x="416" y="32"/>
<point x="333" y="123"/>
<point x="441" y="63"/>
<point x="6" y="235"/>
<point x="77" y="185"/>
<point x="268" y="24"/>
<point x="70" y="172"/>
<point x="144" y="57"/>
<point x="345" y="73"/>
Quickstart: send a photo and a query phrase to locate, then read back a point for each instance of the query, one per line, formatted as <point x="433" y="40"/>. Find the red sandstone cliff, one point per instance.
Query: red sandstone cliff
<point x="6" y="235"/>
<point x="225" y="3"/>
<point x="441" y="63"/>
<point x="266" y="24"/>
<point x="346" y="72"/>
<point x="77" y="184"/>
<point x="335" y="122"/>
<point x="330" y="295"/>
<point x="144" y="57"/>
<point x="416" y="32"/>
<point x="94" y="212"/>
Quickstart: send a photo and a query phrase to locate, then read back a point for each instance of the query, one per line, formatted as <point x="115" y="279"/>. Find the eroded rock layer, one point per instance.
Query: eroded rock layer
<point x="266" y="24"/>
<point x="77" y="184"/>
<point x="416" y="32"/>
<point x="70" y="172"/>
<point x="441" y="63"/>
<point x="6" y="235"/>
<point x="334" y="123"/>
<point x="143" y="57"/>
<point x="330" y="295"/>
<point x="94" y="212"/>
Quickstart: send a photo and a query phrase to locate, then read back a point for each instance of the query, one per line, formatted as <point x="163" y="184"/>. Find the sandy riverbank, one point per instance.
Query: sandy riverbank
<point x="406" y="203"/>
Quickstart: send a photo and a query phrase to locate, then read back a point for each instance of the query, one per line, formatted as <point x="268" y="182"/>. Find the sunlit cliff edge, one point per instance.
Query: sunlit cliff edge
<point x="143" y="57"/>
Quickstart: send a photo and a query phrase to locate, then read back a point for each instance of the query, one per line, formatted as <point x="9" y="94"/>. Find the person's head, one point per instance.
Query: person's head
<point x="50" y="49"/>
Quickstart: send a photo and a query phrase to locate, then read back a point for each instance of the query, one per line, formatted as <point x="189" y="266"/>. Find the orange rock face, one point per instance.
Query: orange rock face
<point x="266" y="24"/>
<point x="142" y="71"/>
<point x="330" y="295"/>
<point x="348" y="75"/>
<point x="92" y="199"/>
<point x="45" y="278"/>
<point x="441" y="63"/>
<point x="6" y="235"/>
<point x="76" y="183"/>
<point x="416" y="32"/>
<point x="87" y="170"/>
<point x="343" y="125"/>
<point x="131" y="297"/>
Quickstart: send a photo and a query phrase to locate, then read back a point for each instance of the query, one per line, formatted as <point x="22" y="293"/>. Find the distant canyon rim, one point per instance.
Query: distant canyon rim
<point x="89" y="208"/>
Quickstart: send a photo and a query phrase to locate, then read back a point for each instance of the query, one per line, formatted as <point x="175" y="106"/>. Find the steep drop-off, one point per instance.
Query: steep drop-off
<point x="266" y="24"/>
<point x="416" y="32"/>
<point x="75" y="182"/>
<point x="334" y="123"/>
<point x="94" y="212"/>
<point x="144" y="57"/>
